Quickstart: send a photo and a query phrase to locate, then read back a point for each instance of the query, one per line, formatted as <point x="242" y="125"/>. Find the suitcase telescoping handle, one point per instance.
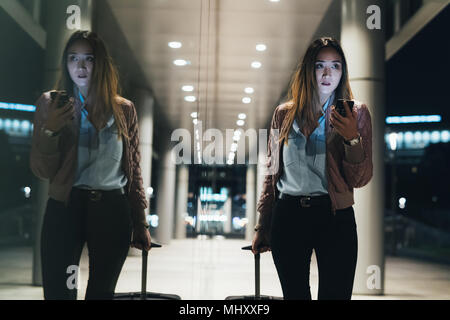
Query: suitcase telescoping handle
<point x="257" y="277"/>
<point x="144" y="270"/>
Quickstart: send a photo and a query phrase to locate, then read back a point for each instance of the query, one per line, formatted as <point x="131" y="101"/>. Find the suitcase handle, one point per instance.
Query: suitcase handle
<point x="257" y="275"/>
<point x="144" y="270"/>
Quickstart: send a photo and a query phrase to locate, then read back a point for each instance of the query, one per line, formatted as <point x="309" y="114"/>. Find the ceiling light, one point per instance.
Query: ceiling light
<point x="180" y="62"/>
<point x="242" y="116"/>
<point x="237" y="133"/>
<point x="261" y="47"/>
<point x="194" y="114"/>
<point x="246" y="100"/>
<point x="249" y="90"/>
<point x="256" y="64"/>
<point x="190" y="98"/>
<point x="274" y="0"/>
<point x="240" y="122"/>
<point x="175" y="44"/>
<point x="195" y="121"/>
<point x="187" y="88"/>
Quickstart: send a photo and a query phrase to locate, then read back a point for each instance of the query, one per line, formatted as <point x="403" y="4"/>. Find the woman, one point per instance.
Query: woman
<point x="321" y="156"/>
<point x="89" y="150"/>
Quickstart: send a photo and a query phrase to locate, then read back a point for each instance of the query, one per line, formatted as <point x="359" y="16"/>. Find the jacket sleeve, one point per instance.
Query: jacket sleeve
<point x="357" y="163"/>
<point x="44" y="154"/>
<point x="136" y="196"/>
<point x="266" y="199"/>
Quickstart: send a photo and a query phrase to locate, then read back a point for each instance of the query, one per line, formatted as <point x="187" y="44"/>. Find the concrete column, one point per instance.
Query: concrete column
<point x="57" y="35"/>
<point x="365" y="51"/>
<point x="144" y="104"/>
<point x="182" y="200"/>
<point x="250" y="203"/>
<point x="397" y="15"/>
<point x="165" y="195"/>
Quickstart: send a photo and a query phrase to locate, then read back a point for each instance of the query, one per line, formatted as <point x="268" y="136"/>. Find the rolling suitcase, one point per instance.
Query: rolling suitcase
<point x="257" y="295"/>
<point x="143" y="294"/>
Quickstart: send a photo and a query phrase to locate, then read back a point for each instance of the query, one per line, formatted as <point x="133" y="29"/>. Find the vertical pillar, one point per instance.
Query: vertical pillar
<point x="182" y="197"/>
<point x="397" y="15"/>
<point x="250" y="204"/>
<point x="57" y="34"/>
<point x="165" y="201"/>
<point x="365" y="52"/>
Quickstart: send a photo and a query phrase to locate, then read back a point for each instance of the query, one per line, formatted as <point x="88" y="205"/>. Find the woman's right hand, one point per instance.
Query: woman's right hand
<point x="58" y="118"/>
<point x="260" y="243"/>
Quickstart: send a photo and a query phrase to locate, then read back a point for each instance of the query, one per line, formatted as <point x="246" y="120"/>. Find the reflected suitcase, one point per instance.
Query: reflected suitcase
<point x="143" y="294"/>
<point x="257" y="295"/>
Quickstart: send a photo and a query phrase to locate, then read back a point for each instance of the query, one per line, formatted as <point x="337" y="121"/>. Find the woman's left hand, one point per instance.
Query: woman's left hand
<point x="141" y="239"/>
<point x="346" y="126"/>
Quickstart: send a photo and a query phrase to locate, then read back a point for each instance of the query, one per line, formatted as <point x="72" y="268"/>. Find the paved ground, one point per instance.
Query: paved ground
<point x="203" y="269"/>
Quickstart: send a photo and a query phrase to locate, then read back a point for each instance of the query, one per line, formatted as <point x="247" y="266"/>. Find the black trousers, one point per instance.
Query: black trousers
<point x="296" y="231"/>
<point x="106" y="227"/>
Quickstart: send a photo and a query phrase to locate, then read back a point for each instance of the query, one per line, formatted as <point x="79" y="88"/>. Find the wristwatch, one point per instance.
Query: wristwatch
<point x="49" y="133"/>
<point x="353" y="141"/>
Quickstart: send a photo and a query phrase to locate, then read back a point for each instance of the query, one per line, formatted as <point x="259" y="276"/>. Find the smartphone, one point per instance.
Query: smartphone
<point x="341" y="108"/>
<point x="63" y="98"/>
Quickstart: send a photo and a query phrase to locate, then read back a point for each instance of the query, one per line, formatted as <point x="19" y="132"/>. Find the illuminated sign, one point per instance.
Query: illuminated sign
<point x="413" y="119"/>
<point x="17" y="107"/>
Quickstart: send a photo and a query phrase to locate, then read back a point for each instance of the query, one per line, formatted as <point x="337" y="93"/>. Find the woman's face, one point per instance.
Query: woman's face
<point x="80" y="63"/>
<point x="328" y="67"/>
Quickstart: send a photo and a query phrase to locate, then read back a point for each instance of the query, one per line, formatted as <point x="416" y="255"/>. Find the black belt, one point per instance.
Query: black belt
<point x="96" y="195"/>
<point x="308" y="201"/>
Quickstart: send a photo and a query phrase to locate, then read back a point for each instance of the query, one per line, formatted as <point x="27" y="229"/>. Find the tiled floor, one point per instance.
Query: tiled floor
<point x="202" y="269"/>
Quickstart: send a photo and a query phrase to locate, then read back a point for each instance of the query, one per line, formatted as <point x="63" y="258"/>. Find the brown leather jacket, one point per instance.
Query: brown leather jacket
<point x="348" y="167"/>
<point x="54" y="158"/>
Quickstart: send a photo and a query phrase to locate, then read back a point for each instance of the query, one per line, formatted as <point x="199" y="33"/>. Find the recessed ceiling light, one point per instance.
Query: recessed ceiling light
<point x="175" y="44"/>
<point x="190" y="98"/>
<point x="194" y="114"/>
<point x="195" y="121"/>
<point x="181" y="62"/>
<point x="246" y="100"/>
<point x="261" y="47"/>
<point x="256" y="64"/>
<point x="274" y="0"/>
<point x="240" y="122"/>
<point x="249" y="90"/>
<point x="242" y="116"/>
<point x="187" y="88"/>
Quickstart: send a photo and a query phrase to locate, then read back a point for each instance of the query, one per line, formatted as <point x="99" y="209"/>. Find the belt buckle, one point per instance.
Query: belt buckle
<point x="303" y="203"/>
<point x="95" y="195"/>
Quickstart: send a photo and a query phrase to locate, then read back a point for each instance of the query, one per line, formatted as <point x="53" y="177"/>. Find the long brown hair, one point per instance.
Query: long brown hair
<point x="302" y="95"/>
<point x="104" y="90"/>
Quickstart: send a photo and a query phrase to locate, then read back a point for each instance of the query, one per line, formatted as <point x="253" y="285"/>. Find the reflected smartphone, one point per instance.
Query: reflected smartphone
<point x="63" y="98"/>
<point x="341" y="108"/>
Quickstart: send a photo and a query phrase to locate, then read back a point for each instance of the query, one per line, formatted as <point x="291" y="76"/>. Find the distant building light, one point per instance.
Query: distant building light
<point x="17" y="107"/>
<point x="435" y="136"/>
<point x="445" y="136"/>
<point x="413" y="119"/>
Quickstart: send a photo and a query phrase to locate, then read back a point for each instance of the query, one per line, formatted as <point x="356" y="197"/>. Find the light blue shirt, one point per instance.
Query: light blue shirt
<point x="99" y="156"/>
<point x="305" y="161"/>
